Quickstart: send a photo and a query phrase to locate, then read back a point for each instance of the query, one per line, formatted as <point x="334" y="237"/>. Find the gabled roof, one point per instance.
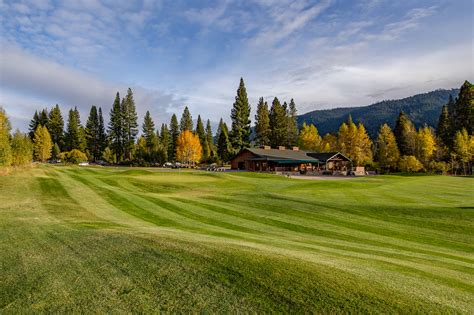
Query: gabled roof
<point x="283" y="155"/>
<point x="327" y="156"/>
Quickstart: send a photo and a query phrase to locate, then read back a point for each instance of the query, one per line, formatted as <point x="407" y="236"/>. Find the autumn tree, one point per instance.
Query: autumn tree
<point x="21" y="148"/>
<point x="5" y="149"/>
<point x="329" y="143"/>
<point x="387" y="149"/>
<point x="425" y="145"/>
<point x="409" y="163"/>
<point x="464" y="149"/>
<point x="188" y="149"/>
<point x="309" y="138"/>
<point x="262" y="123"/>
<point x="42" y="144"/>
<point x="240" y="116"/>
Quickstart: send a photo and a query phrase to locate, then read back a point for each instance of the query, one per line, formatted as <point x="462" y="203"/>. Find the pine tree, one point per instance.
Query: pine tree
<point x="42" y="144"/>
<point x="55" y="152"/>
<point x="34" y="123"/>
<point x="56" y="126"/>
<point x="174" y="134"/>
<point x="210" y="141"/>
<point x="130" y="124"/>
<point x="278" y="124"/>
<point x="224" y="147"/>
<point x="5" y="148"/>
<point x="309" y="138"/>
<point x="292" y="131"/>
<point x="93" y="135"/>
<point x="443" y="131"/>
<point x="240" y="116"/>
<point x="75" y="138"/>
<point x="102" y="133"/>
<point x="262" y="123"/>
<point x="165" y="142"/>
<point x="148" y="129"/>
<point x="465" y="108"/>
<point x="43" y="117"/>
<point x="405" y="133"/>
<point x="116" y="129"/>
<point x="387" y="149"/>
<point x="21" y="148"/>
<point x="186" y="122"/>
<point x="201" y="133"/>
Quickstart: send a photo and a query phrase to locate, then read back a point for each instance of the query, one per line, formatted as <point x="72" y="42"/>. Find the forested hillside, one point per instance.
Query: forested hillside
<point x="421" y="108"/>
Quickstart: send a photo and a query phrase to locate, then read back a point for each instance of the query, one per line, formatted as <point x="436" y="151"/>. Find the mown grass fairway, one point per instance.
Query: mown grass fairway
<point x="103" y="239"/>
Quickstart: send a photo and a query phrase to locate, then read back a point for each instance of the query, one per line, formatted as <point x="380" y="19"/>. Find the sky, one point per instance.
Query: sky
<point x="324" y="53"/>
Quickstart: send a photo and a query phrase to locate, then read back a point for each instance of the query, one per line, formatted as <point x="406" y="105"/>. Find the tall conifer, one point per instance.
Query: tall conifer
<point x="262" y="123"/>
<point x="186" y="122"/>
<point x="278" y="124"/>
<point x="240" y="116"/>
<point x="174" y="134"/>
<point x="56" y="126"/>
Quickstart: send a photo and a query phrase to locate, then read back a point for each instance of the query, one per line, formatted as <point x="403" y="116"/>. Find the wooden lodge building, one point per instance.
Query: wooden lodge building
<point x="266" y="159"/>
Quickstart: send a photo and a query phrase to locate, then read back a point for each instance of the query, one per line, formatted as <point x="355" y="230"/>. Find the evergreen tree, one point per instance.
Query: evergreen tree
<point x="224" y="147"/>
<point x="42" y="144"/>
<point x="102" y="134"/>
<point x="465" y="108"/>
<point x="43" y="117"/>
<point x="201" y="133"/>
<point x="186" y="122"/>
<point x="55" y="152"/>
<point x="174" y="134"/>
<point x="292" y="131"/>
<point x="5" y="148"/>
<point x="148" y="129"/>
<point x="443" y="131"/>
<point x="74" y="132"/>
<point x="130" y="124"/>
<point x="210" y="140"/>
<point x="116" y="129"/>
<point x="405" y="133"/>
<point x="240" y="116"/>
<point x="278" y="124"/>
<point x="21" y="148"/>
<point x="309" y="138"/>
<point x="165" y="142"/>
<point x="387" y="149"/>
<point x="34" y="123"/>
<point x="56" y="125"/>
<point x="262" y="123"/>
<point x="93" y="135"/>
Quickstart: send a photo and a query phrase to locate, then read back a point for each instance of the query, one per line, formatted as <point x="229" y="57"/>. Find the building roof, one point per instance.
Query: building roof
<point x="282" y="156"/>
<point x="326" y="156"/>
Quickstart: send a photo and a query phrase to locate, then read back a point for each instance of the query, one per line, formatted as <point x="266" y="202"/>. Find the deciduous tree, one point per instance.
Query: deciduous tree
<point x="22" y="149"/>
<point x="188" y="148"/>
<point x="5" y="149"/>
<point x="388" y="154"/>
<point x="309" y="138"/>
<point x="42" y="144"/>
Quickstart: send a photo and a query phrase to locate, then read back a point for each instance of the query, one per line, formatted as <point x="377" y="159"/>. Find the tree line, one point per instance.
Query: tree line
<point x="120" y="142"/>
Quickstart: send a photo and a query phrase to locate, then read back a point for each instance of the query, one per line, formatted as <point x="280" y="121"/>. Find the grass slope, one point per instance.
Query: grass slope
<point x="105" y="239"/>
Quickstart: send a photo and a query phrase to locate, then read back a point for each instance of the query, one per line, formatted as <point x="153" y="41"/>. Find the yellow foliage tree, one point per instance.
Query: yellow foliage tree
<point x="425" y="145"/>
<point x="309" y="138"/>
<point x="188" y="148"/>
<point x="42" y="144"/>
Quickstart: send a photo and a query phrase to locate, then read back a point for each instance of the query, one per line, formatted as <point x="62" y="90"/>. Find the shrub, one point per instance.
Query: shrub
<point x="74" y="156"/>
<point x="438" y="167"/>
<point x="409" y="164"/>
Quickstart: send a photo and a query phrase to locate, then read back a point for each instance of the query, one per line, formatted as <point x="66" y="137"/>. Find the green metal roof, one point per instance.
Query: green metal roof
<point x="285" y="156"/>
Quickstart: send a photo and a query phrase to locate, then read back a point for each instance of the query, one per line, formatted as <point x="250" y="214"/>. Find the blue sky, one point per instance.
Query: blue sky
<point x="324" y="54"/>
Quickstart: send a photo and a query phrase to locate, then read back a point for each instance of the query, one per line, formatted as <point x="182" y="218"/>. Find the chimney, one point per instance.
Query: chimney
<point x="281" y="148"/>
<point x="265" y="147"/>
<point x="296" y="148"/>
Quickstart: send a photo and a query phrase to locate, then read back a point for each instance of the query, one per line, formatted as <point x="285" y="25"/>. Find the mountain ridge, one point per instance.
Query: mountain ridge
<point x="423" y="108"/>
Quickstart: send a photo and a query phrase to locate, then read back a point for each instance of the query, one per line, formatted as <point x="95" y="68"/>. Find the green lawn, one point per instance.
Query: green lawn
<point x="141" y="240"/>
